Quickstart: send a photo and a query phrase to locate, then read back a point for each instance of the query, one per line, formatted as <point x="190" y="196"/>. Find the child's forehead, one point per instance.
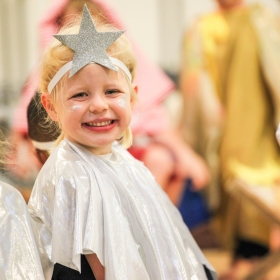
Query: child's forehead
<point x="94" y="71"/>
<point x="95" y="74"/>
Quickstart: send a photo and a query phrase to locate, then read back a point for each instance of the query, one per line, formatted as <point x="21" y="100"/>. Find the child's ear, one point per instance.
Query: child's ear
<point x="135" y="89"/>
<point x="49" y="107"/>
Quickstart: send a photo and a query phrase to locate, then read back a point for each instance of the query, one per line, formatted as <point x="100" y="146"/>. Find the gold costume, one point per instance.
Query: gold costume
<point x="231" y="96"/>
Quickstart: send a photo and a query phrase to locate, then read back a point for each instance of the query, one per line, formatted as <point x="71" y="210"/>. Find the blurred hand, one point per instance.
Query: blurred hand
<point x="189" y="164"/>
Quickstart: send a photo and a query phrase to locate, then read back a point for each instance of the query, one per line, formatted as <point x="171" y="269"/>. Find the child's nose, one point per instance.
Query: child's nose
<point x="98" y="104"/>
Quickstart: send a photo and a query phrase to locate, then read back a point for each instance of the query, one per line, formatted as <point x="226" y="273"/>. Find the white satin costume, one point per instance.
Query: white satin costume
<point x="84" y="204"/>
<point x="19" y="256"/>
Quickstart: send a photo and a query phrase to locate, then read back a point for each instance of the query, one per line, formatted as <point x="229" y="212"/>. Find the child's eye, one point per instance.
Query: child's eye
<point x="79" y="95"/>
<point x="112" y="91"/>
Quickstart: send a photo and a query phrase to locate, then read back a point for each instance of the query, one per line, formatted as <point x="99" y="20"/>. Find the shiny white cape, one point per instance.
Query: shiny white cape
<point x="83" y="204"/>
<point x="19" y="257"/>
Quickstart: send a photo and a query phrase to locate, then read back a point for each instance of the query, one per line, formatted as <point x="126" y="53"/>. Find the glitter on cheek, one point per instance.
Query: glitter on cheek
<point x="75" y="108"/>
<point x="122" y="102"/>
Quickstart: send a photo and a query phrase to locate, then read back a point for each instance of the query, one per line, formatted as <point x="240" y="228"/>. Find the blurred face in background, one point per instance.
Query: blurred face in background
<point x="229" y="4"/>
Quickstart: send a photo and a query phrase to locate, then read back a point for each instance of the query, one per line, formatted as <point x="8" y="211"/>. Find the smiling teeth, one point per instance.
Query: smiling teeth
<point x="100" y="123"/>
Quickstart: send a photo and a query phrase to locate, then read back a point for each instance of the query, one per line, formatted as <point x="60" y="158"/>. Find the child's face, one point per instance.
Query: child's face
<point x="95" y="108"/>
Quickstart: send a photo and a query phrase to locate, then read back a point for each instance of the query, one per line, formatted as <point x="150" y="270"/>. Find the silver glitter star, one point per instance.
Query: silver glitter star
<point x="89" y="45"/>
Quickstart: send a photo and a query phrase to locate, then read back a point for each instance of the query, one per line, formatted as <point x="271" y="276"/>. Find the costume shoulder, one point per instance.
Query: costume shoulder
<point x="64" y="177"/>
<point x="61" y="171"/>
<point x="19" y="254"/>
<point x="61" y="164"/>
<point x="9" y="193"/>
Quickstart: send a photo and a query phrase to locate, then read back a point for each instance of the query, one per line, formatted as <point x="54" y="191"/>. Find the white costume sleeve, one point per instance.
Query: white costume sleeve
<point x="19" y="257"/>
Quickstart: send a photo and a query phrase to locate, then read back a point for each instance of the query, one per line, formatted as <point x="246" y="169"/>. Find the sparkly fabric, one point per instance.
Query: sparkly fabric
<point x="85" y="204"/>
<point x="19" y="258"/>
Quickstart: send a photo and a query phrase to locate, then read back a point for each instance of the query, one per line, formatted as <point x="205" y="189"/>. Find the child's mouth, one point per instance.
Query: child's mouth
<point x="99" y="124"/>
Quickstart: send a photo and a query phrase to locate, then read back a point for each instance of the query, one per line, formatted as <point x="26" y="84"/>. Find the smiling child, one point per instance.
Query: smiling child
<point x="97" y="210"/>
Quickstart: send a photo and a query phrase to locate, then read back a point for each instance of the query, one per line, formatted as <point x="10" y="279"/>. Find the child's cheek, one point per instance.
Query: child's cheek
<point x="123" y="100"/>
<point x="75" y="107"/>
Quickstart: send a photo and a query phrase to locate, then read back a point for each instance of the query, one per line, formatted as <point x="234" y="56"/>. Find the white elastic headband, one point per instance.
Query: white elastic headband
<point x="44" y="146"/>
<point x="66" y="67"/>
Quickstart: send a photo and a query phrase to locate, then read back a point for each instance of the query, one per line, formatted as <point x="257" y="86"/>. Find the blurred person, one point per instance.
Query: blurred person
<point x="42" y="137"/>
<point x="18" y="250"/>
<point x="156" y="143"/>
<point x="229" y="85"/>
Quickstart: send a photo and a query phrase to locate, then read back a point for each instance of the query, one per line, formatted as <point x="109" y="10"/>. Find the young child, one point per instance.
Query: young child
<point x="155" y="141"/>
<point x="18" y="251"/>
<point x="93" y="204"/>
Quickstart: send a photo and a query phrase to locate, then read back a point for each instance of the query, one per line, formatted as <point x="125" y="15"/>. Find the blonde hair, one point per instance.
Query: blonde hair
<point x="78" y="5"/>
<point x="75" y="7"/>
<point x="4" y="149"/>
<point x="56" y="55"/>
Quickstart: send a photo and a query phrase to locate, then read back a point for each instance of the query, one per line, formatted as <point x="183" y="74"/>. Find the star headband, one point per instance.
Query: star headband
<point x="90" y="47"/>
